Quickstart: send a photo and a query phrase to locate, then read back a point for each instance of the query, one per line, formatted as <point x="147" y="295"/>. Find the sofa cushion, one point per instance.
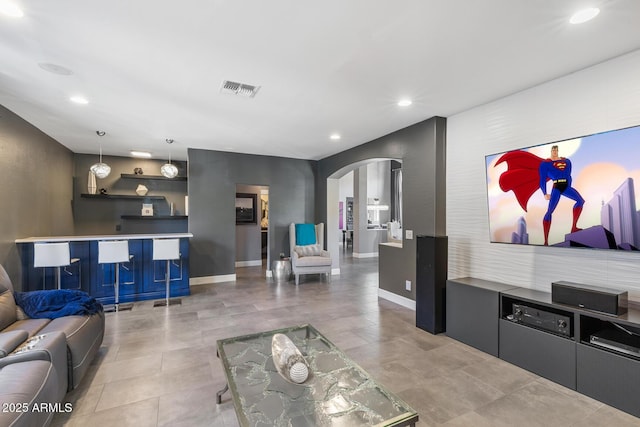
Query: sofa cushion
<point x="305" y="234"/>
<point x="9" y="341"/>
<point x="313" y="261"/>
<point x="20" y="314"/>
<point x="28" y="383"/>
<point x="7" y="302"/>
<point x="7" y="309"/>
<point x="84" y="336"/>
<point x="308" y="250"/>
<point x="5" y="281"/>
<point x="32" y="326"/>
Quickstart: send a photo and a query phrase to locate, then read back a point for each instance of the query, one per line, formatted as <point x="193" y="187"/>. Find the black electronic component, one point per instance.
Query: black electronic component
<point x="604" y="300"/>
<point x="617" y="340"/>
<point x="542" y="319"/>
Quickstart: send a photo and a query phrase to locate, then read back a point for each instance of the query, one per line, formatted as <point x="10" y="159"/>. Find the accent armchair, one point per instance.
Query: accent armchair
<point x="307" y="253"/>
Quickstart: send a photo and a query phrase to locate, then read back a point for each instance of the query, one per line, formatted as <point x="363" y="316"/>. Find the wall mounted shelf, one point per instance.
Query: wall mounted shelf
<point x="154" y="217"/>
<point x="152" y="177"/>
<point x="120" y="196"/>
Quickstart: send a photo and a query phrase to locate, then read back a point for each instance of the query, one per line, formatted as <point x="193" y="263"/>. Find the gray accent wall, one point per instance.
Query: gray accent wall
<point x="213" y="176"/>
<point x="45" y="194"/>
<point x="36" y="188"/>
<point x="422" y="149"/>
<point x="104" y="216"/>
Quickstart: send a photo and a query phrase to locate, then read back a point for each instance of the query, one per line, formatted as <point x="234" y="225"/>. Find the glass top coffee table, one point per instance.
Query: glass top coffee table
<point x="337" y="392"/>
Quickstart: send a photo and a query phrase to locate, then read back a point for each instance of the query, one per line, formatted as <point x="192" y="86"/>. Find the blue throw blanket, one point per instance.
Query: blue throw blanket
<point x="57" y="303"/>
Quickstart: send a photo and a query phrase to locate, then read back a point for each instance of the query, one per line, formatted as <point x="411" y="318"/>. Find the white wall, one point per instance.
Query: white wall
<point x="345" y="190"/>
<point x="597" y="99"/>
<point x="379" y="186"/>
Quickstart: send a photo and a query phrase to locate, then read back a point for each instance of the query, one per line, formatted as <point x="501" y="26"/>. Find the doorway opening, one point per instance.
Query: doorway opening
<point x="364" y="208"/>
<point x="252" y="230"/>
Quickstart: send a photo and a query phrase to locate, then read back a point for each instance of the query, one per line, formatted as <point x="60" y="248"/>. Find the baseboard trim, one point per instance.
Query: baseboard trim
<point x="395" y="298"/>
<point x="251" y="263"/>
<point x="365" y="255"/>
<point x="203" y="280"/>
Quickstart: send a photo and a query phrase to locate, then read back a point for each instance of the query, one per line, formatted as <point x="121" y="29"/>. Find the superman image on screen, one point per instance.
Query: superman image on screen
<point x="558" y="169"/>
<point x="578" y="192"/>
<point x="528" y="172"/>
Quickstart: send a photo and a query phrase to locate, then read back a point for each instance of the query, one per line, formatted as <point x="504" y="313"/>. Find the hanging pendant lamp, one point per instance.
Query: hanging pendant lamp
<point x="168" y="170"/>
<point x="100" y="170"/>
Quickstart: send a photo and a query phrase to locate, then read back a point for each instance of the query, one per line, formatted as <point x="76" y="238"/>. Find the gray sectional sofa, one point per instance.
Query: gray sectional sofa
<point x="41" y="359"/>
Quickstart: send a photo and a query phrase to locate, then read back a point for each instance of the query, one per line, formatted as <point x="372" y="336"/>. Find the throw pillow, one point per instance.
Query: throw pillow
<point x="305" y="234"/>
<point x="308" y="250"/>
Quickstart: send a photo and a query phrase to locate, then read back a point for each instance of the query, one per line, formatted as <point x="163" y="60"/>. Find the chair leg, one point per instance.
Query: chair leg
<point x="168" y="280"/>
<point x="167" y="301"/>
<point x="58" y="278"/>
<point x="297" y="279"/>
<point x="116" y="285"/>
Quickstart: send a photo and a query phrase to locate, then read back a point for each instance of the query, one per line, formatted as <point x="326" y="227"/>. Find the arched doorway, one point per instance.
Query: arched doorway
<point x="377" y="200"/>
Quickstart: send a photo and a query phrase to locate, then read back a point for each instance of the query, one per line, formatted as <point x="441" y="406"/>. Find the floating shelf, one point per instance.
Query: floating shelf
<point x="147" y="217"/>
<point x="154" y="177"/>
<point x="120" y="196"/>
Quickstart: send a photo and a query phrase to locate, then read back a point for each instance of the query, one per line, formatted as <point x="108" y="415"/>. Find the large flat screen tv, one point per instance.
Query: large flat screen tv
<point x="576" y="193"/>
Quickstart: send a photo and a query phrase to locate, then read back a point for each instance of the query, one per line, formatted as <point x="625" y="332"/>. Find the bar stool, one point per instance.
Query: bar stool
<point x="54" y="255"/>
<point x="166" y="250"/>
<point x="114" y="252"/>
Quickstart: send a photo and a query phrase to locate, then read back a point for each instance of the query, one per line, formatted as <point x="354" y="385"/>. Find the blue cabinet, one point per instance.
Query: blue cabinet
<point x="77" y="275"/>
<point x="104" y="275"/>
<point x="155" y="279"/>
<point x="140" y="279"/>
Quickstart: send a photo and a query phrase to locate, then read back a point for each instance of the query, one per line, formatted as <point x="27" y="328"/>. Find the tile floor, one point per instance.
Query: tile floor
<point x="158" y="366"/>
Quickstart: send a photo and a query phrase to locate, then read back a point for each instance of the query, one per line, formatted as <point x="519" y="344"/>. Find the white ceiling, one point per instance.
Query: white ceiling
<point x="152" y="69"/>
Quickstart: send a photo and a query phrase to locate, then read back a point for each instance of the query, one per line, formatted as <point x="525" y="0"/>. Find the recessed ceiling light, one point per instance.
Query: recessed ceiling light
<point x="144" y="154"/>
<point x="334" y="137"/>
<point x="404" y="102"/>
<point x="79" y="99"/>
<point x="55" y="69"/>
<point x="584" y="15"/>
<point x="11" y="9"/>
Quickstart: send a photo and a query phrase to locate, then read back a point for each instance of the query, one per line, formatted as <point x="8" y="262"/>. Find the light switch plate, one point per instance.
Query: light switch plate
<point x="407" y="285"/>
<point x="409" y="234"/>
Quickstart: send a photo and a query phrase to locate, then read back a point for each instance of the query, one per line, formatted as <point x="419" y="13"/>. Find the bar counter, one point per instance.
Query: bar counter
<point x="103" y="237"/>
<point x="140" y="279"/>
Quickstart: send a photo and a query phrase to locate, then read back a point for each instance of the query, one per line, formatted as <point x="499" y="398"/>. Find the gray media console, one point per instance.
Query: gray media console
<point x="590" y="352"/>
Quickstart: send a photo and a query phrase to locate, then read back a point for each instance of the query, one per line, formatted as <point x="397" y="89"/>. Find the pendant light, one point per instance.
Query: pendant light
<point x="100" y="170"/>
<point x="168" y="170"/>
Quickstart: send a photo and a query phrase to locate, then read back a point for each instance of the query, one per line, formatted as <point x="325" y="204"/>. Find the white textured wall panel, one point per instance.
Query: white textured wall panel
<point x="597" y="99"/>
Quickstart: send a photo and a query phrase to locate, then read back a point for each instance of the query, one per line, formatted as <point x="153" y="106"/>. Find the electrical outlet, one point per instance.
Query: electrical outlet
<point x="407" y="285"/>
<point x="409" y="234"/>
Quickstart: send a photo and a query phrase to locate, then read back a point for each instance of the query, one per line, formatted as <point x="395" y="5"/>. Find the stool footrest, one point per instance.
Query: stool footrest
<point x="120" y="307"/>
<point x="163" y="303"/>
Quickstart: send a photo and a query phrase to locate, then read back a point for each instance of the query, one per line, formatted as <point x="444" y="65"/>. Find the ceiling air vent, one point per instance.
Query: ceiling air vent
<point x="240" y="89"/>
